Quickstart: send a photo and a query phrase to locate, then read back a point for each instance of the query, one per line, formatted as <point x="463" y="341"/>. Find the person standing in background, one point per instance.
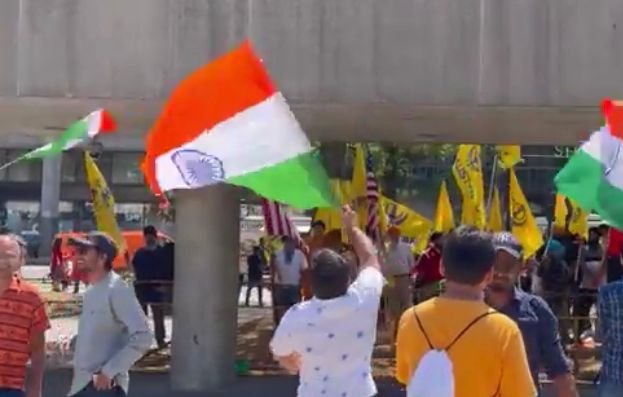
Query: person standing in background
<point x="399" y="264"/>
<point x="148" y="264"/>
<point x="23" y="322"/>
<point x="427" y="270"/>
<point x="288" y="264"/>
<point x="255" y="274"/>
<point x="591" y="276"/>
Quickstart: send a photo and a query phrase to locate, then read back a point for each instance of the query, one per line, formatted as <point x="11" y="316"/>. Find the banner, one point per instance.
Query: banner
<point x="444" y="215"/>
<point x="103" y="203"/>
<point x="467" y="170"/>
<point x="524" y="225"/>
<point x="410" y="223"/>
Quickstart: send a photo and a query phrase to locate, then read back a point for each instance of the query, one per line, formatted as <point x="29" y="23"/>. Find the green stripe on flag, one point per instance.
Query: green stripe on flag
<point x="583" y="180"/>
<point x="72" y="136"/>
<point x="300" y="182"/>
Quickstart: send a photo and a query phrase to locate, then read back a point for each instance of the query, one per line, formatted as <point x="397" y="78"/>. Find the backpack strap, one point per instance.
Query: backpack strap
<point x="471" y="324"/>
<point x="419" y="323"/>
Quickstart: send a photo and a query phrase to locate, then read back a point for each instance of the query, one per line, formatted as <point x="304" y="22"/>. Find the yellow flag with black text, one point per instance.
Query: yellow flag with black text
<point x="444" y="215"/>
<point x="410" y="223"/>
<point x="103" y="203"/>
<point x="524" y="225"/>
<point x="358" y="198"/>
<point x="467" y="170"/>
<point x="560" y="212"/>
<point x="509" y="155"/>
<point x="494" y="221"/>
<point x="578" y="222"/>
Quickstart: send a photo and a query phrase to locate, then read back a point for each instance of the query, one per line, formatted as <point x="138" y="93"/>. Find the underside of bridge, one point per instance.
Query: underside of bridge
<point x="27" y="122"/>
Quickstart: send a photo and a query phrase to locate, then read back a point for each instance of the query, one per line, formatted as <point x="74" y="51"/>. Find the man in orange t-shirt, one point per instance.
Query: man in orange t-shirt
<point x="23" y="322"/>
<point x="485" y="347"/>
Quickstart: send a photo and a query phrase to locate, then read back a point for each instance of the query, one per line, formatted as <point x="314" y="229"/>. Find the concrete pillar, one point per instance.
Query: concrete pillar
<point x="50" y="200"/>
<point x="205" y="300"/>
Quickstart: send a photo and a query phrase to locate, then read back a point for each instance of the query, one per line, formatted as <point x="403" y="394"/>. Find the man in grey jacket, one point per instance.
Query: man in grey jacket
<point x="113" y="332"/>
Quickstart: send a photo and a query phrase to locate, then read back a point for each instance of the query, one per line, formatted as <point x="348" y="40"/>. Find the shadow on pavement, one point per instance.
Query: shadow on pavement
<point x="157" y="385"/>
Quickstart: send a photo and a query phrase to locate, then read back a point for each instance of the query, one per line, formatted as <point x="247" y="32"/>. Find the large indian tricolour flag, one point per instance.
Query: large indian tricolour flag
<point x="593" y="177"/>
<point x="228" y="123"/>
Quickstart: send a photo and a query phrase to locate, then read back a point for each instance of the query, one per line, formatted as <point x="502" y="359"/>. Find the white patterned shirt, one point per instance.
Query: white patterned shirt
<point x="335" y="339"/>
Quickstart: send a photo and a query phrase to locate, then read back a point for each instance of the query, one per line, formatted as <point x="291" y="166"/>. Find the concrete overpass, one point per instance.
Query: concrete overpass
<point x="490" y="71"/>
<point x="493" y="71"/>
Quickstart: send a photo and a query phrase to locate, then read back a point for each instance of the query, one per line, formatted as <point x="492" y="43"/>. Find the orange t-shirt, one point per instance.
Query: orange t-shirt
<point x="22" y="314"/>
<point x="490" y="357"/>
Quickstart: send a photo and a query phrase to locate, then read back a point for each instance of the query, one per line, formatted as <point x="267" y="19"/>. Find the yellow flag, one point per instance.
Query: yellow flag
<point x="103" y="203"/>
<point x="578" y="223"/>
<point x="332" y="217"/>
<point x="410" y="223"/>
<point x="524" y="225"/>
<point x="495" y="222"/>
<point x="509" y="155"/>
<point x="467" y="170"/>
<point x="560" y="212"/>
<point x="444" y="216"/>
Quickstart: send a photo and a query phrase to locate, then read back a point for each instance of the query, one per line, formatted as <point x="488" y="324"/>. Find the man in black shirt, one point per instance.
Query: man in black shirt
<point x="255" y="272"/>
<point x="149" y="266"/>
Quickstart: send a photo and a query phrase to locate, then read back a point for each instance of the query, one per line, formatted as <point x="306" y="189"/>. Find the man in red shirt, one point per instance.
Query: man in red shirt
<point x="427" y="271"/>
<point x="23" y="322"/>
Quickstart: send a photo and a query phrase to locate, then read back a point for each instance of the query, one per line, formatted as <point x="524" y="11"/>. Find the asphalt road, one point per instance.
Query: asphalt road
<point x="157" y="385"/>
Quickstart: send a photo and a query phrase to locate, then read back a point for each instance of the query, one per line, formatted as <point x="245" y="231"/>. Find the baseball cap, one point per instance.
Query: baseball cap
<point x="100" y="241"/>
<point x="505" y="241"/>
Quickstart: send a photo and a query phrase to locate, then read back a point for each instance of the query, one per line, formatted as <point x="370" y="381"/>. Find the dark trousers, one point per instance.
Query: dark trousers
<point x="582" y="308"/>
<point x="254" y="284"/>
<point x="560" y="307"/>
<point x="11" y="393"/>
<point x="90" y="391"/>
<point x="157" y="312"/>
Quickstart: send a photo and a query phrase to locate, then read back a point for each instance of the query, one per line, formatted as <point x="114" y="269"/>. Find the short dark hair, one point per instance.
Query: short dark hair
<point x="468" y="255"/>
<point x="150" y="231"/>
<point x="330" y="274"/>
<point x="594" y="230"/>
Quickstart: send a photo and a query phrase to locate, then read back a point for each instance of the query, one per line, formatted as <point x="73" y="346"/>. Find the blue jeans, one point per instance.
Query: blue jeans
<point x="610" y="390"/>
<point x="11" y="393"/>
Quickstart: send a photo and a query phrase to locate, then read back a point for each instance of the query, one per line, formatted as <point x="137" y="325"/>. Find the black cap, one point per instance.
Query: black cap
<point x="100" y="241"/>
<point x="505" y="241"/>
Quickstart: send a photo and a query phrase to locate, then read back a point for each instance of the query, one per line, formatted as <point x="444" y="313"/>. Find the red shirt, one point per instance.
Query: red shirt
<point x="615" y="242"/>
<point x="22" y="314"/>
<point x="429" y="266"/>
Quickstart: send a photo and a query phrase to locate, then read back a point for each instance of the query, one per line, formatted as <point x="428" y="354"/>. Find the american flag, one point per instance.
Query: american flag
<point x="277" y="220"/>
<point x="372" y="195"/>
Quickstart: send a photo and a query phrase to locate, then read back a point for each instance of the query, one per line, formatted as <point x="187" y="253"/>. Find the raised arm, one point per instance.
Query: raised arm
<point x="363" y="246"/>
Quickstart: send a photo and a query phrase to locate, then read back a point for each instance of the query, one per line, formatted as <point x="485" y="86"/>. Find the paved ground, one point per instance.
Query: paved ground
<point x="146" y="385"/>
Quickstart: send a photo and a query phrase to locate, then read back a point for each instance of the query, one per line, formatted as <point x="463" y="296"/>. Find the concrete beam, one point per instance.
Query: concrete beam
<point x="27" y="122"/>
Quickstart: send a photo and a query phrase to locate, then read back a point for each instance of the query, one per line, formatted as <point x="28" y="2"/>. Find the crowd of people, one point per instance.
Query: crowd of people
<point x="482" y="309"/>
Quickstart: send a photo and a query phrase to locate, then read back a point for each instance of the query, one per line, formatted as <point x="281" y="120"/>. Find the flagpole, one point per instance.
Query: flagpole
<point x="492" y="183"/>
<point x="14" y="161"/>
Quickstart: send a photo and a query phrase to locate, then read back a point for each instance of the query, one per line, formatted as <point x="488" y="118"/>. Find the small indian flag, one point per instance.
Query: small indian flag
<point x="593" y="177"/>
<point x="78" y="132"/>
<point x="228" y="123"/>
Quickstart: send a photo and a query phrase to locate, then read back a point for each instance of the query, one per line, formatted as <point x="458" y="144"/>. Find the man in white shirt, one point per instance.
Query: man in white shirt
<point x="329" y="339"/>
<point x="289" y="264"/>
<point x="399" y="263"/>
